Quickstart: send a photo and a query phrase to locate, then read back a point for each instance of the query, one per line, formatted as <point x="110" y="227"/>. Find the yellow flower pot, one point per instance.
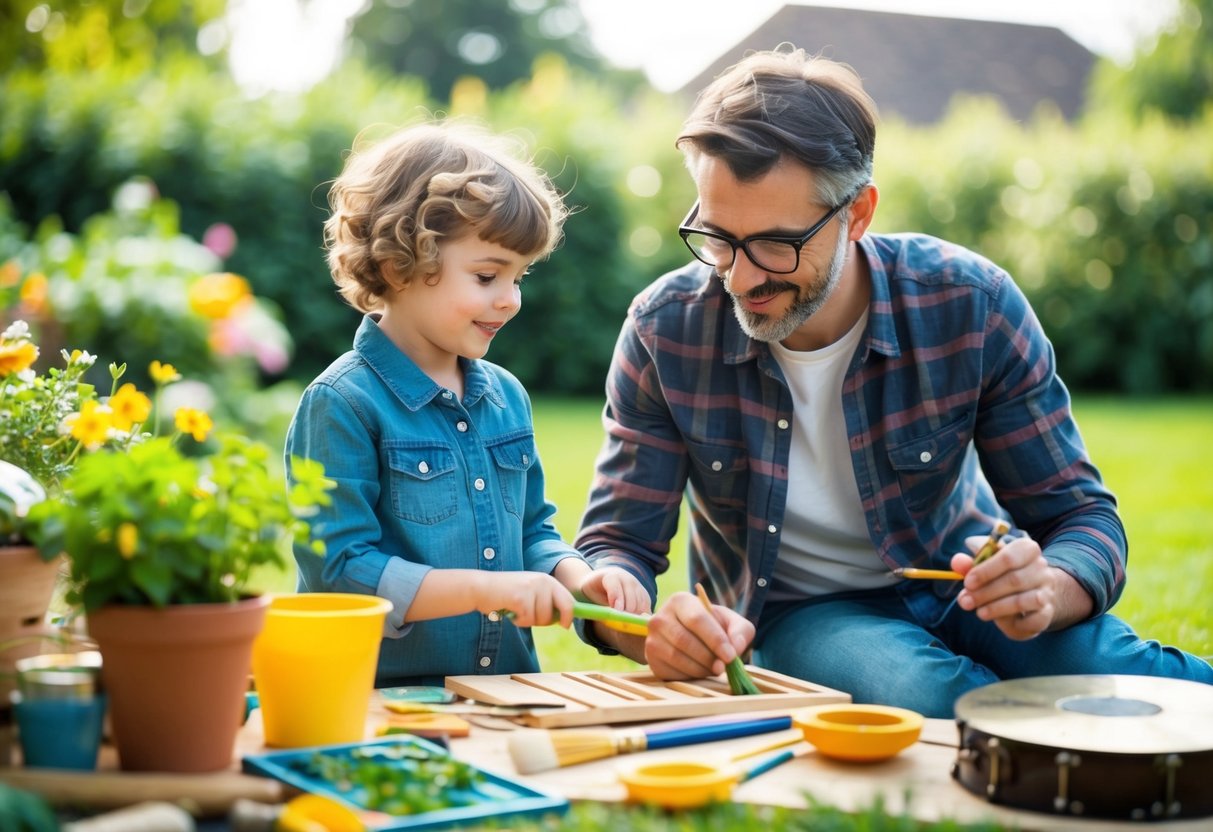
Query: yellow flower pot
<point x="314" y="667"/>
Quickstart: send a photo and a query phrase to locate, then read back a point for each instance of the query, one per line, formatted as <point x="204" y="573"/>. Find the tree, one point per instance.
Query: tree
<point x="1174" y="78"/>
<point x="87" y="35"/>
<point x="440" y="41"/>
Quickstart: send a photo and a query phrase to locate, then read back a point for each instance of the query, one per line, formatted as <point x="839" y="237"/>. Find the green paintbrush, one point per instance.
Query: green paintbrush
<point x="624" y="622"/>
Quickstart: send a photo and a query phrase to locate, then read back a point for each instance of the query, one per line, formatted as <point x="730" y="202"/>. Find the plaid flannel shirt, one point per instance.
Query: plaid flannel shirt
<point x="954" y="415"/>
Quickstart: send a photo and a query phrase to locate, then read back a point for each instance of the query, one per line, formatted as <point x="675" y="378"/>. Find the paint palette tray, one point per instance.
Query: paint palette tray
<point x="438" y="790"/>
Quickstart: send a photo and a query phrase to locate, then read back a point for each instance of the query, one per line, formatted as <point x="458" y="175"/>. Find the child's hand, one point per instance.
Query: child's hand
<point x="617" y="588"/>
<point x="534" y="598"/>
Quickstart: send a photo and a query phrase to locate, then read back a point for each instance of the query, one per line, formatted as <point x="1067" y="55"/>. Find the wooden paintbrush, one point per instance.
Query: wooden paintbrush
<point x="537" y="750"/>
<point x="988" y="548"/>
<point x="927" y="574"/>
<point x="986" y="551"/>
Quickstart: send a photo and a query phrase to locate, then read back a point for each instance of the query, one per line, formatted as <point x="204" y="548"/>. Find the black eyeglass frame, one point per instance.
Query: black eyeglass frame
<point x="797" y="242"/>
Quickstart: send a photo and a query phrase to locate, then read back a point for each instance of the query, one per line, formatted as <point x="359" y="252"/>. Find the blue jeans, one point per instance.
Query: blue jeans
<point x="899" y="648"/>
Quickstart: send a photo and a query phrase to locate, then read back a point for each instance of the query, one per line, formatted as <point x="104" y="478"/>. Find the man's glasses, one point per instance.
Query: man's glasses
<point x="771" y="253"/>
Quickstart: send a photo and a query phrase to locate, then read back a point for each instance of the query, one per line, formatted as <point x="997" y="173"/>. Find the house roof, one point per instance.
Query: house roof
<point x="912" y="65"/>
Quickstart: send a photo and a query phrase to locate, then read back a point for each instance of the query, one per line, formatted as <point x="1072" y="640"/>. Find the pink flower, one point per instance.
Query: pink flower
<point x="221" y="239"/>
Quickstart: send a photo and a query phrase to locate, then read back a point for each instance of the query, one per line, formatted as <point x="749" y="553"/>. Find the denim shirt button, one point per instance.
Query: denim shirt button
<point x="490" y="553"/>
<point x="526" y="459"/>
<point x="783" y="424"/>
<point x="925" y="456"/>
<point x="762" y="581"/>
<point x="478" y="484"/>
<point x="423" y="467"/>
<point x="485" y="661"/>
<point x="772" y="528"/>
<point x="447" y="394"/>
<point x="461" y="426"/>
<point x="494" y="616"/>
<point x="717" y="465"/>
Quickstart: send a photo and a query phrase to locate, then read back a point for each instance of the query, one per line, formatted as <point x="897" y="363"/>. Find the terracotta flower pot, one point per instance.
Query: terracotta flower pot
<point x="176" y="679"/>
<point x="27" y="583"/>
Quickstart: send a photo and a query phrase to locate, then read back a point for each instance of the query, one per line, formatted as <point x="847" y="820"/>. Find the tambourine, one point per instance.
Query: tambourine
<point x="1115" y="747"/>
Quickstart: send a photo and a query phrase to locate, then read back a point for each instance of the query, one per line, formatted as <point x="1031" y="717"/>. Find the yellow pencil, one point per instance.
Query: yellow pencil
<point x="928" y="574"/>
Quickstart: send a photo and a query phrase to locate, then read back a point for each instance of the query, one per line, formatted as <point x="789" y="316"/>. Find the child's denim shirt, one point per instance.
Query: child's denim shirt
<point x="425" y="481"/>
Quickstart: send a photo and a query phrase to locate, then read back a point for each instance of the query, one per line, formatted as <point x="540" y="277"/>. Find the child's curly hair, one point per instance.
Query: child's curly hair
<point x="397" y="200"/>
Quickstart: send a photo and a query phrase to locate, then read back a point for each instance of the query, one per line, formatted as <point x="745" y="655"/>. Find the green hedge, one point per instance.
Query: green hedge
<point x="1107" y="225"/>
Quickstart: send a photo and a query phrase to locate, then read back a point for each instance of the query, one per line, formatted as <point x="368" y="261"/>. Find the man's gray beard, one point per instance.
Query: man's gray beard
<point x="762" y="327"/>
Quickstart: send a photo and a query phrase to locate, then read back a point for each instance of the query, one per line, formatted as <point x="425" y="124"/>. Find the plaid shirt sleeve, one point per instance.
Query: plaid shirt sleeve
<point x="641" y="470"/>
<point x="1032" y="454"/>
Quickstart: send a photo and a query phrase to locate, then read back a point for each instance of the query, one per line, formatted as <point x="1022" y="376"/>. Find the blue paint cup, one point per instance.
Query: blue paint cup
<point x="60" y="733"/>
<point x="59" y="709"/>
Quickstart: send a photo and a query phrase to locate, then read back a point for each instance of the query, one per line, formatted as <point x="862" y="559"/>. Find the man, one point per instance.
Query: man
<point x="836" y="405"/>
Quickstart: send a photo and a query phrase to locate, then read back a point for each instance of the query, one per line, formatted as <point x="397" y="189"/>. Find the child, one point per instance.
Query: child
<point x="439" y="505"/>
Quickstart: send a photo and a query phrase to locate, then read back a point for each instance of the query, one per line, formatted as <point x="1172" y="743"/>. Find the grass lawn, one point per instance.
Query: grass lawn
<point x="1156" y="455"/>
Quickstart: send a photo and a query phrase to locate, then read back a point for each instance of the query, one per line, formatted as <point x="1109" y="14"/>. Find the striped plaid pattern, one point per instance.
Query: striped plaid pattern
<point x="954" y="414"/>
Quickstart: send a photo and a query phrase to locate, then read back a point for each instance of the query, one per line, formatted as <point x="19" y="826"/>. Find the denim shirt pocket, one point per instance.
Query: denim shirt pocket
<point x="928" y="466"/>
<point x="513" y="458"/>
<point x="422" y="480"/>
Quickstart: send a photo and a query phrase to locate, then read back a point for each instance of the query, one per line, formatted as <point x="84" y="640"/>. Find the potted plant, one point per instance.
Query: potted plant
<point x="26" y="580"/>
<point x="161" y="547"/>
<point x="48" y="422"/>
<point x="36" y="449"/>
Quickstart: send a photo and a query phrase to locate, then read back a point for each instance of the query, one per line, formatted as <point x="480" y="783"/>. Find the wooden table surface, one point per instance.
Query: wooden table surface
<point x="917" y="781"/>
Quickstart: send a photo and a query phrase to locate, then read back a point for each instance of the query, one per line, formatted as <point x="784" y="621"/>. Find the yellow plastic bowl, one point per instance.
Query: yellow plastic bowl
<point x="679" y="785"/>
<point x="861" y="733"/>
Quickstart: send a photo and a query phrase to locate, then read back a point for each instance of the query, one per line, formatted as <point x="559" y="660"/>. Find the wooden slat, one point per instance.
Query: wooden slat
<point x="694" y="689"/>
<point x="642" y="690"/>
<point x="500" y="690"/>
<point x="714" y="686"/>
<point x="770" y="681"/>
<point x="572" y="690"/>
<point x="594" y="698"/>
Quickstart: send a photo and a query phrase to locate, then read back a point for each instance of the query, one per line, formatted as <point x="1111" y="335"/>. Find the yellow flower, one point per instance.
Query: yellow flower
<point x="129" y="407"/>
<point x="34" y="293"/>
<point x="18" y="357"/>
<point x="90" y="426"/>
<point x="217" y="295"/>
<point x="128" y="540"/>
<point x="163" y="373"/>
<point x="194" y="422"/>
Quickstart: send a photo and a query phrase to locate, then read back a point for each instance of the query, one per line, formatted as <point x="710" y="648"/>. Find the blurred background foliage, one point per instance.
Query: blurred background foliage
<point x="1107" y="223"/>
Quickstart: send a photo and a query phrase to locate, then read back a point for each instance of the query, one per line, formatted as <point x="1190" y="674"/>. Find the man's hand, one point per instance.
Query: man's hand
<point x="1019" y="591"/>
<point x="686" y="642"/>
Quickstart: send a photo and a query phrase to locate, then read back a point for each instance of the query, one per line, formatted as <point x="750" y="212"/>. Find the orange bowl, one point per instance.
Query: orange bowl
<point x="679" y="784"/>
<point x="860" y="733"/>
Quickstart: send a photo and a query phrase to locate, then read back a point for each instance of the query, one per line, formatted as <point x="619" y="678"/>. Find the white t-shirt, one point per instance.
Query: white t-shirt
<point x="824" y="546"/>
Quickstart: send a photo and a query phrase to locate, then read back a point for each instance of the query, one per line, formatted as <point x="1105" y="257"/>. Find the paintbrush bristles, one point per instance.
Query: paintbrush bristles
<point x="740" y="683"/>
<point x="536" y="751"/>
<point x="988" y="548"/>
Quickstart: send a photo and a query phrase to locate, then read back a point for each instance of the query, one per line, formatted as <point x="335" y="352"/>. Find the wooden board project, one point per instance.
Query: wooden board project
<point x="599" y="698"/>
